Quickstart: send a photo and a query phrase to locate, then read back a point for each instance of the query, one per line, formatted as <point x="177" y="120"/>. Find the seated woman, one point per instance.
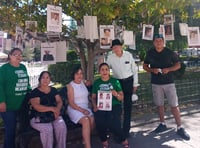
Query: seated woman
<point x="78" y="108"/>
<point x="108" y="118"/>
<point x="47" y="103"/>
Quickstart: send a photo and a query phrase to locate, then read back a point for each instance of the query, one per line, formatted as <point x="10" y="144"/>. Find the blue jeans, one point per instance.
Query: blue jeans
<point x="9" y="119"/>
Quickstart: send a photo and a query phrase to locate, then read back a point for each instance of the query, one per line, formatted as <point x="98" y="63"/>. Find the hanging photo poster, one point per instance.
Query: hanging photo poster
<point x="168" y="19"/>
<point x="128" y="37"/>
<point x="162" y="31"/>
<point x="147" y="33"/>
<point x="183" y="29"/>
<point x="48" y="52"/>
<point x="31" y="26"/>
<point x="19" y="38"/>
<point x="106" y="36"/>
<point x="104" y="100"/>
<point x="61" y="49"/>
<point x="54" y="18"/>
<point x="90" y="28"/>
<point x="30" y="33"/>
<point x="169" y="31"/>
<point x="193" y="36"/>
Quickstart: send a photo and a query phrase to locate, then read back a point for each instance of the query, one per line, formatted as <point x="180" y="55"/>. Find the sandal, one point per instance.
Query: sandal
<point x="106" y="146"/>
<point x="126" y="146"/>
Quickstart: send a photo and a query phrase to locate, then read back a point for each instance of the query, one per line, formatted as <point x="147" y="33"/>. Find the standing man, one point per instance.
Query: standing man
<point x="161" y="62"/>
<point x="125" y="70"/>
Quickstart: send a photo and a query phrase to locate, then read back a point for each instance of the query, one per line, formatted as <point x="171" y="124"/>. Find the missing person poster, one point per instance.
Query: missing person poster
<point x="169" y="31"/>
<point x="19" y="38"/>
<point x="106" y="36"/>
<point x="147" y="33"/>
<point x="48" y="52"/>
<point x="193" y="36"/>
<point x="104" y="100"/>
<point x="54" y="18"/>
<point x="91" y="28"/>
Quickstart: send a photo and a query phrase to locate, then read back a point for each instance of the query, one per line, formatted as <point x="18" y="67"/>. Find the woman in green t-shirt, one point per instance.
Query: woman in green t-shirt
<point x="108" y="113"/>
<point x="14" y="84"/>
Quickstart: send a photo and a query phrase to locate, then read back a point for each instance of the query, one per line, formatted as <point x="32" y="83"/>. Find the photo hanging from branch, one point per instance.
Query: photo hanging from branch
<point x="148" y="31"/>
<point x="19" y="38"/>
<point x="54" y="18"/>
<point x="169" y="32"/>
<point x="129" y="38"/>
<point x="193" y="37"/>
<point x="183" y="29"/>
<point x="48" y="53"/>
<point x="106" y="36"/>
<point x="162" y="31"/>
<point x="30" y="33"/>
<point x="168" y="19"/>
<point x="91" y="28"/>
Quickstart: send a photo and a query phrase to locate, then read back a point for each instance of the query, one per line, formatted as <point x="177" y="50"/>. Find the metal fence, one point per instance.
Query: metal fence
<point x="188" y="90"/>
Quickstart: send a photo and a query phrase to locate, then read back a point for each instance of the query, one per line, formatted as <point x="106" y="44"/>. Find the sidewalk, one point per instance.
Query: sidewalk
<point x="143" y="137"/>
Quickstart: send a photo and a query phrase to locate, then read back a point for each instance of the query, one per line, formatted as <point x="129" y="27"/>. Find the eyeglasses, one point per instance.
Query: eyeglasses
<point x="17" y="55"/>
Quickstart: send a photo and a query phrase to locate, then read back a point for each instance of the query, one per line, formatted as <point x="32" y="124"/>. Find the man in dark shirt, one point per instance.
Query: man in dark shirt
<point x="161" y="62"/>
<point x="47" y="56"/>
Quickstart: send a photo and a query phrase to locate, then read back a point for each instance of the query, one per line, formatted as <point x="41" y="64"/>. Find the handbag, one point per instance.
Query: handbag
<point x="46" y="117"/>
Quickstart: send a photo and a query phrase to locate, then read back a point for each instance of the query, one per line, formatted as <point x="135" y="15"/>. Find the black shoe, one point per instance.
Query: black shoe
<point x="183" y="134"/>
<point x="160" y="128"/>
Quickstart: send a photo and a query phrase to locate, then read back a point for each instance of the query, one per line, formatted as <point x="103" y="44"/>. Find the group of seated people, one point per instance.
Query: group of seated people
<point x="46" y="106"/>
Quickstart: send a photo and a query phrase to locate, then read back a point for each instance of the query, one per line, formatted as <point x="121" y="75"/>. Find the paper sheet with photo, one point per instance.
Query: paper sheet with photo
<point x="48" y="52"/>
<point x="128" y="37"/>
<point x="54" y="18"/>
<point x="169" y="31"/>
<point x="147" y="33"/>
<point x="162" y="31"/>
<point x="106" y="36"/>
<point x="30" y="33"/>
<point x="19" y="38"/>
<point x="168" y="19"/>
<point x="193" y="36"/>
<point x="183" y="29"/>
<point x="104" y="100"/>
<point x="61" y="48"/>
<point x="90" y="28"/>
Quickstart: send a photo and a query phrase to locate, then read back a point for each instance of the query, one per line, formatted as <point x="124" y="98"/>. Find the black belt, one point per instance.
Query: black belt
<point x="126" y="79"/>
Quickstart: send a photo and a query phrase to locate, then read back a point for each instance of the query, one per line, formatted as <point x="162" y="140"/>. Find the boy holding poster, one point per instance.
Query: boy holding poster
<point x="107" y="97"/>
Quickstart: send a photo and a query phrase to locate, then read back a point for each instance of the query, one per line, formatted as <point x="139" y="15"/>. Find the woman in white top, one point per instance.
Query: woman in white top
<point x="78" y="109"/>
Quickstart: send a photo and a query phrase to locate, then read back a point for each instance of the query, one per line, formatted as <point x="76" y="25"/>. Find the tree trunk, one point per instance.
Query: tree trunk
<point x="90" y="65"/>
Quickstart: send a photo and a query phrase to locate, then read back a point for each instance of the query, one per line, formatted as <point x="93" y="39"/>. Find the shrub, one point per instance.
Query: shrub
<point x="61" y="72"/>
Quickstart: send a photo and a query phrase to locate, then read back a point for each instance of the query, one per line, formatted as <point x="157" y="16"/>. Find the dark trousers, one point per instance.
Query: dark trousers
<point x="9" y="119"/>
<point x="127" y="87"/>
<point x="109" y="120"/>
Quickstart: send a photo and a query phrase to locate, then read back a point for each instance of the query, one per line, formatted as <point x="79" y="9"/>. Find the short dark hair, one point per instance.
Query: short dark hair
<point x="42" y="73"/>
<point x="75" y="70"/>
<point x="13" y="50"/>
<point x="103" y="64"/>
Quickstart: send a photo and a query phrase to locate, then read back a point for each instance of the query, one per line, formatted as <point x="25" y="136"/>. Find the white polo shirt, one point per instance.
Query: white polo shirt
<point x="123" y="67"/>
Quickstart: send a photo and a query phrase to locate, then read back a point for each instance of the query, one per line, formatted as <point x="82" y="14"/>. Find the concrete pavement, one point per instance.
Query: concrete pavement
<point x="142" y="135"/>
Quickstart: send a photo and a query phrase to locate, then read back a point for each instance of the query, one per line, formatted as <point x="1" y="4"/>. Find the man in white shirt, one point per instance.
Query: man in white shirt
<point x="125" y="70"/>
